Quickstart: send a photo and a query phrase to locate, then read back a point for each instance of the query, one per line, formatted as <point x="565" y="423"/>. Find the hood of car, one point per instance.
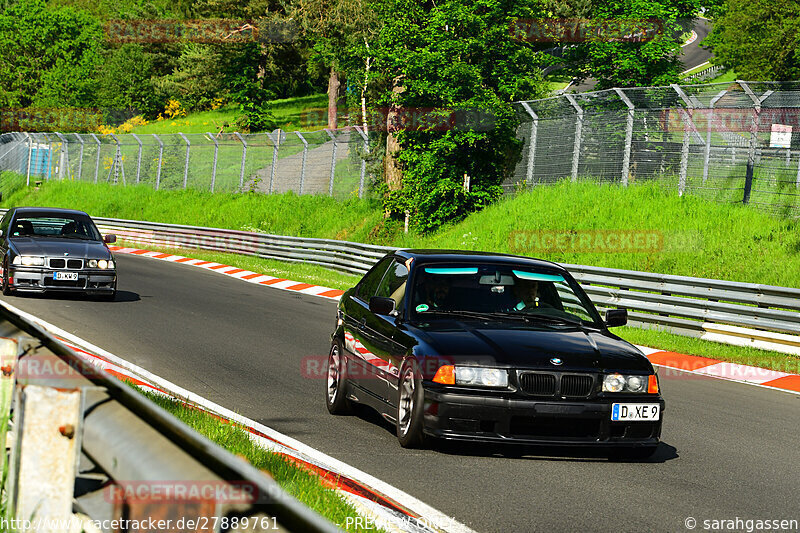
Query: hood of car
<point x="57" y="247"/>
<point x="515" y="346"/>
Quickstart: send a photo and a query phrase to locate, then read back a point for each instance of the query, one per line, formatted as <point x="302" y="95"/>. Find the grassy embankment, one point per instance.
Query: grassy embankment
<point x="700" y="238"/>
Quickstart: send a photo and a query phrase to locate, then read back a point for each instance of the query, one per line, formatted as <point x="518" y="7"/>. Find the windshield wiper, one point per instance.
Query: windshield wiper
<point x="74" y="236"/>
<point x="556" y="319"/>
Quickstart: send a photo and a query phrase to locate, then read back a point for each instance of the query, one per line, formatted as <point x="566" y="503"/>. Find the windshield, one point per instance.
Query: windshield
<point x="63" y="226"/>
<point x="502" y="291"/>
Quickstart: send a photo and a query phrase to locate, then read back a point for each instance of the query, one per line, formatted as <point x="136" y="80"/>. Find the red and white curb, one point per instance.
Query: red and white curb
<point x="686" y="363"/>
<point x="382" y="505"/>
<point x="713" y="368"/>
<point x="234" y="272"/>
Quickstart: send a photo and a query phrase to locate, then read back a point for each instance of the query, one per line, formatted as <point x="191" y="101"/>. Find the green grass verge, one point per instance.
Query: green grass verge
<point x="304" y="113"/>
<point x="300" y="483"/>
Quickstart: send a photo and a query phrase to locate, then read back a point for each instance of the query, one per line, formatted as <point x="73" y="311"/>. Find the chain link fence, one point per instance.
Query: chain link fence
<point x="729" y="142"/>
<point x="319" y="162"/>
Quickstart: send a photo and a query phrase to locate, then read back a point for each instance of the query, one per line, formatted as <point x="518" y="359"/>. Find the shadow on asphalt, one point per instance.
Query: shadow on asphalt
<point x="121" y="297"/>
<point x="664" y="452"/>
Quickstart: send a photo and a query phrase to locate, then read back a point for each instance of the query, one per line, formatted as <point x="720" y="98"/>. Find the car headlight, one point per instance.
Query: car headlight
<point x="102" y="264"/>
<point x="636" y="383"/>
<point x="472" y="375"/>
<point x="27" y="260"/>
<point x="92" y="263"/>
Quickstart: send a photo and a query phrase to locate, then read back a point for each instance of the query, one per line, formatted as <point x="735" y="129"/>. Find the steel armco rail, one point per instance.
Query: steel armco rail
<point x="685" y="305"/>
<point x="84" y="442"/>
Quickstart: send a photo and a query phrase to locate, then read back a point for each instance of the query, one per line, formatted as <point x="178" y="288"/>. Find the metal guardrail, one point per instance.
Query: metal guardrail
<point x="680" y="304"/>
<point x="84" y="442"/>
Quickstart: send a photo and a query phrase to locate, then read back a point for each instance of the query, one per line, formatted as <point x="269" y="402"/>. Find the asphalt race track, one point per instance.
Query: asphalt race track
<point x="730" y="450"/>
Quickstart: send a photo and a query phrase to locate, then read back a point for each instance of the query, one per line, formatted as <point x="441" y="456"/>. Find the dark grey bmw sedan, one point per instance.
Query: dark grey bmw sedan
<point x="50" y="249"/>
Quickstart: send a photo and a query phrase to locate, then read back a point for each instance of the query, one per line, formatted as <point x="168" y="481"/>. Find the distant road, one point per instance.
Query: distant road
<point x="692" y="55"/>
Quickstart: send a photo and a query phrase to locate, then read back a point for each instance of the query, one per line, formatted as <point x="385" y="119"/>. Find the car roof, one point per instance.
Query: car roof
<point x="467" y="256"/>
<point x="54" y="210"/>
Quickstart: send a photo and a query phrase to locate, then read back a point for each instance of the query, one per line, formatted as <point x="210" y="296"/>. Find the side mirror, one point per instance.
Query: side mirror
<point x="380" y="305"/>
<point x="1" y="233"/>
<point x="110" y="238"/>
<point x="616" y="317"/>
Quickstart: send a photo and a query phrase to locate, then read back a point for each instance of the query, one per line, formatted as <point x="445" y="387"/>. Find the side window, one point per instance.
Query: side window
<point x="393" y="284"/>
<point x="369" y="283"/>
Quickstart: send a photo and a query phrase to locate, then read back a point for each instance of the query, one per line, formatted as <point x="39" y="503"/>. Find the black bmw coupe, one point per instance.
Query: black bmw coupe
<point x="49" y="249"/>
<point x="490" y="348"/>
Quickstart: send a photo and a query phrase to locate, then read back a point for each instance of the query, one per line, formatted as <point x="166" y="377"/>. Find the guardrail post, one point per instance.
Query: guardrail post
<point x="45" y="455"/>
<point x="363" y="161"/>
<point x="531" y="144"/>
<point x="303" y="163"/>
<point x="751" y="152"/>
<point x="275" y="144"/>
<point x="244" y="156"/>
<point x="97" y="159"/>
<point x="626" y="157"/>
<point x="186" y="164"/>
<point x="333" y="160"/>
<point x="707" y="154"/>
<point x="214" y="167"/>
<point x="80" y="161"/>
<point x="138" y="157"/>
<point x="576" y="150"/>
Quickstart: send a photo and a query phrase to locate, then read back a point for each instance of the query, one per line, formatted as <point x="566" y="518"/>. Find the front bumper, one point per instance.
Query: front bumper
<point x="484" y="418"/>
<point x="26" y="279"/>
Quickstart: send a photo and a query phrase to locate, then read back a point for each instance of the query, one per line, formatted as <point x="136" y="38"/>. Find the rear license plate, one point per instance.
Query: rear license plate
<point x="65" y="276"/>
<point x="635" y="411"/>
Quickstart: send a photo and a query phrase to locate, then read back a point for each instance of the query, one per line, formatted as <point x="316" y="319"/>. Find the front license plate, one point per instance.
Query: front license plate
<point x="635" y="411"/>
<point x="65" y="276"/>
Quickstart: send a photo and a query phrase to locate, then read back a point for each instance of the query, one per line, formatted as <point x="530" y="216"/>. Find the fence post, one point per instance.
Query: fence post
<point x="751" y="151"/>
<point x="531" y="143"/>
<point x="97" y="159"/>
<point x="64" y="156"/>
<point x="80" y="161"/>
<point x="244" y="156"/>
<point x="116" y="163"/>
<point x="30" y="154"/>
<point x="160" y="159"/>
<point x="214" y="167"/>
<point x="688" y="124"/>
<point x="576" y="150"/>
<point x="363" y="161"/>
<point x="275" y="146"/>
<point x="186" y="164"/>
<point x="138" y="158"/>
<point x="49" y="156"/>
<point x="707" y="154"/>
<point x="333" y="160"/>
<point x="626" y="157"/>
<point x="303" y="162"/>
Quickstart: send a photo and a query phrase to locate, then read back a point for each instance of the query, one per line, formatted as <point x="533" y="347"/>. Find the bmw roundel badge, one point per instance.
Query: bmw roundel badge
<point x="556" y="361"/>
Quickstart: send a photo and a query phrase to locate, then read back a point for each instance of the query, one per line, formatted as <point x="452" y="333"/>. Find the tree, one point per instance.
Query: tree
<point x="622" y="62"/>
<point x="48" y="57"/>
<point x="126" y="81"/>
<point x="759" y="39"/>
<point x="449" y="71"/>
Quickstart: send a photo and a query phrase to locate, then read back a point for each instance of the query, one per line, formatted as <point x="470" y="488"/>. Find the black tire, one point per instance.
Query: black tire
<point x="7" y="291"/>
<point x="633" y="454"/>
<point x="335" y="382"/>
<point x="410" y="407"/>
